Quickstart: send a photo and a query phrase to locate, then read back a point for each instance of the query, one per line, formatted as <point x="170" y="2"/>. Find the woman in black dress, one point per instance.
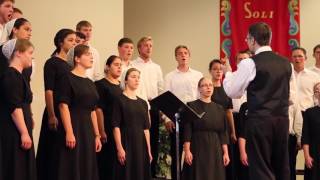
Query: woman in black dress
<point x="131" y="132"/>
<point x="108" y="89"/>
<point x="220" y="97"/>
<point x="311" y="138"/>
<point x="54" y="68"/>
<point x="79" y="140"/>
<point x="17" y="150"/>
<point x="205" y="139"/>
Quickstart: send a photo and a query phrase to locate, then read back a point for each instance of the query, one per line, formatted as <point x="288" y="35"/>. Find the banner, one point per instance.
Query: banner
<point x="283" y="16"/>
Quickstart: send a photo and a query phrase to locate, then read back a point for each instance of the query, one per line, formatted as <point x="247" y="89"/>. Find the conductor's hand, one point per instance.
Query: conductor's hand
<point x="170" y="126"/>
<point x="121" y="156"/>
<point x="26" y="142"/>
<point x="188" y="157"/>
<point x="98" y="144"/>
<point x="226" y="159"/>
<point x="70" y="140"/>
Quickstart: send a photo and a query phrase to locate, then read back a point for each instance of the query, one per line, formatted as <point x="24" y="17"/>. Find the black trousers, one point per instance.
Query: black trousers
<point x="292" y="145"/>
<point x="154" y="138"/>
<point x="267" y="145"/>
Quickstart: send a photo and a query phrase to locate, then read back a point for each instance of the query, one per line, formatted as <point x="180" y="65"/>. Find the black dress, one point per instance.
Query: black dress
<point x="131" y="116"/>
<point x="108" y="92"/>
<point x="47" y="154"/>
<point x="220" y="97"/>
<point x="206" y="136"/>
<point x="311" y="136"/>
<point x="17" y="163"/>
<point x="81" y="96"/>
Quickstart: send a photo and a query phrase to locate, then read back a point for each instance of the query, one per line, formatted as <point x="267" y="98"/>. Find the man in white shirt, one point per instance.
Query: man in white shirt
<point x="183" y="83"/>
<point x="152" y="83"/>
<point x="125" y="50"/>
<point x="306" y="79"/>
<point x="266" y="78"/>
<point x="316" y="55"/>
<point x="6" y="10"/>
<point x="94" y="73"/>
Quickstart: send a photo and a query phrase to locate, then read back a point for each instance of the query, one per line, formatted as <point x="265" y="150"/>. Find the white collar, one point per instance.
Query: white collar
<point x="189" y="70"/>
<point x="139" y="59"/>
<point x="263" y="49"/>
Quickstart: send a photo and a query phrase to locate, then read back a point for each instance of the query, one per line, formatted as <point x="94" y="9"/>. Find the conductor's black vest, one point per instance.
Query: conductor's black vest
<point x="268" y="93"/>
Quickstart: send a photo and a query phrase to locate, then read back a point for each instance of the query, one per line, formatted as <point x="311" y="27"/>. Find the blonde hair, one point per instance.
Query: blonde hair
<point x="142" y="40"/>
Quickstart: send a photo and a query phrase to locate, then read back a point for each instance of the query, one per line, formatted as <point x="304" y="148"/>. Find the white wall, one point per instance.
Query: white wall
<point x="48" y="16"/>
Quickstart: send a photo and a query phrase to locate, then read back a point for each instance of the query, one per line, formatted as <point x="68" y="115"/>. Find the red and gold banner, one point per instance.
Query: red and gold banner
<point x="283" y="16"/>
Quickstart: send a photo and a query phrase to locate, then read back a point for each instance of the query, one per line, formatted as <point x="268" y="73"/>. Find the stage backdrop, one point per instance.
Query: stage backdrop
<point x="236" y="16"/>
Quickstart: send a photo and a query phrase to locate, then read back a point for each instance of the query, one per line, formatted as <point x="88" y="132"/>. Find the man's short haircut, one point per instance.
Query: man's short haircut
<point x="17" y="10"/>
<point x="82" y="24"/>
<point x="301" y="49"/>
<point x="142" y="40"/>
<point x="179" y="47"/>
<point x="261" y="32"/>
<point x="80" y="35"/>
<point x="315" y="48"/>
<point x="2" y="1"/>
<point x="246" y="51"/>
<point x="124" y="40"/>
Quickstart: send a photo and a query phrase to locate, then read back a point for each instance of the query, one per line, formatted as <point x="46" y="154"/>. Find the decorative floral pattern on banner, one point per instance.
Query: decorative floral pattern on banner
<point x="236" y="16"/>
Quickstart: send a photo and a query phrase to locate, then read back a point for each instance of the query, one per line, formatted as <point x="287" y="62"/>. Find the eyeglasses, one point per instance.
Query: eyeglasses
<point x="248" y="38"/>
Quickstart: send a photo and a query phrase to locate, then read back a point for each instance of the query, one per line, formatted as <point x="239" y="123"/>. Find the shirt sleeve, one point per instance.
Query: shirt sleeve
<point x="64" y="90"/>
<point x="242" y="120"/>
<point x="160" y="82"/>
<point x="167" y="82"/>
<point x="236" y="83"/>
<point x="49" y="74"/>
<point x="96" y="70"/>
<point x="145" y="111"/>
<point x="298" y="122"/>
<point x="293" y="87"/>
<point x="305" y="139"/>
<point x="102" y="95"/>
<point x="116" y="114"/>
<point x="13" y="87"/>
<point x="187" y="128"/>
<point x="223" y="135"/>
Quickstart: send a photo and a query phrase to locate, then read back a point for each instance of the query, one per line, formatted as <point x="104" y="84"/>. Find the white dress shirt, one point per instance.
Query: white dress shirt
<point x="3" y="34"/>
<point x="151" y="75"/>
<point x="306" y="79"/>
<point x="295" y="121"/>
<point x="315" y="69"/>
<point x="184" y="85"/>
<point x="236" y="83"/>
<point x="94" y="73"/>
<point x="236" y="103"/>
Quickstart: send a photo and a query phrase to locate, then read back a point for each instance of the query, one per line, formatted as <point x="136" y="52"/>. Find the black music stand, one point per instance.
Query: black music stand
<point x="173" y="107"/>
